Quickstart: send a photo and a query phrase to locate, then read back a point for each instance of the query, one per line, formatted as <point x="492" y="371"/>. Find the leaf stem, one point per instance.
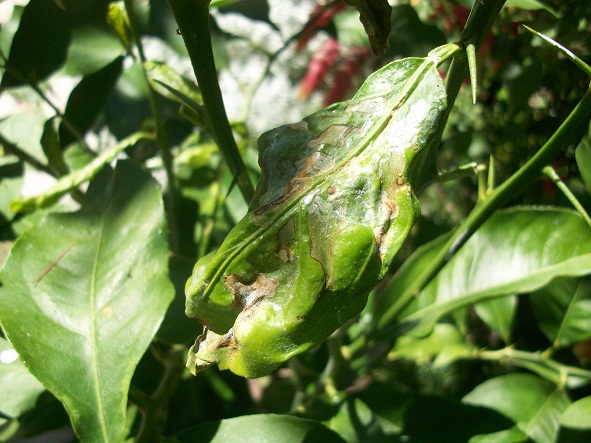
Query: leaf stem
<point x="11" y="148"/>
<point x="192" y="17"/>
<point x="537" y="362"/>
<point x="35" y="87"/>
<point x="161" y="139"/>
<point x="552" y="175"/>
<point x="153" y="407"/>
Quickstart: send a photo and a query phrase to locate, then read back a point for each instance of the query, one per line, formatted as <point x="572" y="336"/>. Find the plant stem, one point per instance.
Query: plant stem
<point x="192" y="17"/>
<point x="556" y="372"/>
<point x="35" y="87"/>
<point x="11" y="148"/>
<point x="153" y="407"/>
<point x="552" y="175"/>
<point x="161" y="139"/>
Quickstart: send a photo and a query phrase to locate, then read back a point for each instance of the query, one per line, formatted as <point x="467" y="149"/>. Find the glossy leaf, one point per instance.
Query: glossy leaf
<point x="92" y="49"/>
<point x="119" y="21"/>
<point x="575" y="423"/>
<point x="88" y="100"/>
<point x="39" y="46"/>
<point x="18" y="388"/>
<point x="410" y="36"/>
<point x="563" y="311"/>
<point x="532" y="5"/>
<point x="516" y="251"/>
<point x="332" y="208"/>
<point x="534" y="404"/>
<point x="511" y="435"/>
<point x="578" y="415"/>
<point x="375" y="17"/>
<point x="260" y="428"/>
<point x="498" y="314"/>
<point x="440" y="419"/>
<point x="444" y="345"/>
<point x="83" y="294"/>
<point x="75" y="178"/>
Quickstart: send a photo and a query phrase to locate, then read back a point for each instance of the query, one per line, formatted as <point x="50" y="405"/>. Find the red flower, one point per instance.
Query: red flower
<point x="321" y="62"/>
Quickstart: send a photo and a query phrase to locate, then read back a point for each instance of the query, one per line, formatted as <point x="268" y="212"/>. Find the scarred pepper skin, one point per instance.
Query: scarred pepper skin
<point x="333" y="206"/>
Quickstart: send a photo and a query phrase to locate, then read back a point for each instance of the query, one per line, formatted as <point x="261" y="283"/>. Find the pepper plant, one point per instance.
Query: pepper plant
<point x="413" y="263"/>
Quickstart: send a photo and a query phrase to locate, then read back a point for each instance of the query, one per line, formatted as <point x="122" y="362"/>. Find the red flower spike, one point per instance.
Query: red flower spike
<point x="320" y="17"/>
<point x="321" y="62"/>
<point x="345" y="73"/>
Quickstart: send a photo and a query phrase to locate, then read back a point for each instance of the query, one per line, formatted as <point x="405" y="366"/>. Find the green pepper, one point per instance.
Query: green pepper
<point x="334" y="204"/>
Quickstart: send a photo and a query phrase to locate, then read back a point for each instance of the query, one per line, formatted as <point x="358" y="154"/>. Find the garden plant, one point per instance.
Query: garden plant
<point x="295" y="221"/>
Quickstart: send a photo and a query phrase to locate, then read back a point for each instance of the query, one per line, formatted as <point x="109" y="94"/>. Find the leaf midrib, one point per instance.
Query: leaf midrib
<point x="93" y="335"/>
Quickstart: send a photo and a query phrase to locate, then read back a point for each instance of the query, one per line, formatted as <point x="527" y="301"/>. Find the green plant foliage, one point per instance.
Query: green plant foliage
<point x="563" y="311"/>
<point x="19" y="388"/>
<point x="75" y="178"/>
<point x="480" y="271"/>
<point x="574" y="422"/>
<point x="39" y="46"/>
<point x="83" y="305"/>
<point x="535" y="405"/>
<point x="93" y="90"/>
<point x="131" y="132"/>
<point x="261" y="428"/>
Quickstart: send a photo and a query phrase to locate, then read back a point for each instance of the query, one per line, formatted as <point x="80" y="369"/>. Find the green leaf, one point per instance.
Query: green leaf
<point x="88" y="99"/>
<point x="410" y="36"/>
<point x="575" y="425"/>
<point x="75" y="178"/>
<point x="445" y="343"/>
<point x="40" y="44"/>
<point x="170" y="84"/>
<point x="83" y="294"/>
<point x="51" y="147"/>
<point x="578" y="415"/>
<point x="532" y="5"/>
<point x="222" y="3"/>
<point x="119" y="22"/>
<point x="583" y="156"/>
<point x="260" y="428"/>
<point x="511" y="435"/>
<point x="11" y="181"/>
<point x="92" y="48"/>
<point x="563" y="311"/>
<point x="440" y="419"/>
<point x="516" y="251"/>
<point x="375" y="17"/>
<point x="25" y="130"/>
<point x="176" y="326"/>
<point x="498" y="315"/>
<point x="18" y="388"/>
<point x="533" y="403"/>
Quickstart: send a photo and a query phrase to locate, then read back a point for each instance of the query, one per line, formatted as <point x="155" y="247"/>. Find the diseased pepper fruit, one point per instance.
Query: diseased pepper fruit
<point x="334" y="204"/>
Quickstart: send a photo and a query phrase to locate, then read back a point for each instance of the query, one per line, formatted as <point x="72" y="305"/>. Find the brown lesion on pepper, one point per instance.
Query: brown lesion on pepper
<point x="392" y="209"/>
<point x="285" y="237"/>
<point x="246" y="295"/>
<point x="316" y="162"/>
